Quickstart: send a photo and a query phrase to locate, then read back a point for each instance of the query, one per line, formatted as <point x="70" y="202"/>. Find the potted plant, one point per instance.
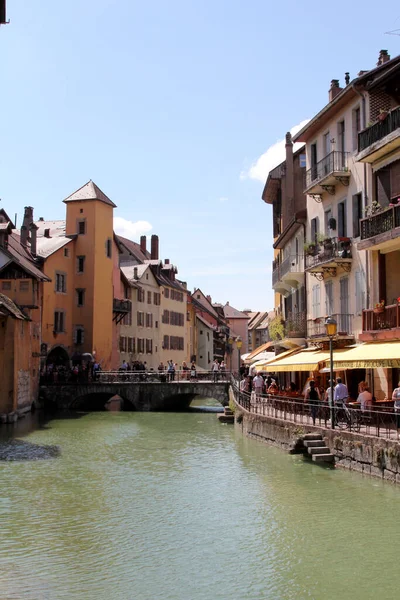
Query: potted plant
<point x="310" y="248"/>
<point x="325" y="240"/>
<point x="382" y="114"/>
<point x="379" y="307"/>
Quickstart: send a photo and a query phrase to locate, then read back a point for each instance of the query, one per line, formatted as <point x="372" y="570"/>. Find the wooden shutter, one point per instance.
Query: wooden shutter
<point x="395" y="180"/>
<point x="383" y="186"/>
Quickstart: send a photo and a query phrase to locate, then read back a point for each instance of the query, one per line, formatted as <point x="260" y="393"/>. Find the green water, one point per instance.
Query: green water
<point x="152" y="506"/>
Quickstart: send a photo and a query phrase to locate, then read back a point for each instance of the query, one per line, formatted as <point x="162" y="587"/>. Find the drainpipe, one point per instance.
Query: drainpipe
<point x="304" y="263"/>
<point x="363" y="125"/>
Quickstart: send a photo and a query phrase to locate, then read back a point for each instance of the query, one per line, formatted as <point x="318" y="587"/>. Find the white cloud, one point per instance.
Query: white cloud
<point x="223" y="199"/>
<point x="131" y="229"/>
<point x="273" y="157"/>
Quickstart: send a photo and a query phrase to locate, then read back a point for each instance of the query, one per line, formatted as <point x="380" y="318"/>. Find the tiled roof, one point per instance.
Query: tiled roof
<point x="56" y="228"/>
<point x="205" y="322"/>
<point x="23" y="257"/>
<point x="134" y="249"/>
<point x="130" y="271"/>
<point x="232" y="313"/>
<point x="89" y="191"/>
<point x="47" y="246"/>
<point x="9" y="308"/>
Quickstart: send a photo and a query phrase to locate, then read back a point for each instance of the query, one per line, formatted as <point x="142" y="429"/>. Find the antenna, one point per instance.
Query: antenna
<point x="394" y="32"/>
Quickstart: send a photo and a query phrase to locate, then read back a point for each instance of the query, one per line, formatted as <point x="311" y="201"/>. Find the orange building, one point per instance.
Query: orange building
<point x="21" y="294"/>
<point x="85" y="300"/>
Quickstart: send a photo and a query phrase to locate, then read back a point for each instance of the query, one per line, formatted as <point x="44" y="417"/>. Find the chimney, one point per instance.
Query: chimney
<point x="347" y="78"/>
<point x="47" y="233"/>
<point x="33" y="230"/>
<point x="209" y="299"/>
<point x="135" y="273"/>
<point x="28" y="216"/>
<point x="143" y="243"/>
<point x="334" y="90"/>
<point x="41" y="219"/>
<point x="24" y="236"/>
<point x="384" y="56"/>
<point x="166" y="261"/>
<point x="154" y="247"/>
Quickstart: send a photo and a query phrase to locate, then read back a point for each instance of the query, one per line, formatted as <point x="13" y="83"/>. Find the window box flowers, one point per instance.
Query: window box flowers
<point x="379" y="307"/>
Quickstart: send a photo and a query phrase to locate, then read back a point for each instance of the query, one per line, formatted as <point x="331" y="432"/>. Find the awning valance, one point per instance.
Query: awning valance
<point x="305" y="360"/>
<point x="262" y="366"/>
<point x="369" y="356"/>
<point x="258" y="350"/>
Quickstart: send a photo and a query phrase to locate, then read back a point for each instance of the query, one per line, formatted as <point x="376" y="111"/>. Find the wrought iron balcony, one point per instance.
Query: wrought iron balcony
<point x="295" y="324"/>
<point x="323" y="176"/>
<point x="383" y="324"/>
<point x="316" y="327"/>
<point x="325" y="258"/>
<point x="380" y="227"/>
<point x="289" y="272"/>
<point x="120" y="309"/>
<point x="380" y="138"/>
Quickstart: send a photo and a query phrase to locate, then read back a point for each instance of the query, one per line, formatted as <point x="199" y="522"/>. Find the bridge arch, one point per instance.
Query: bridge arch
<point x="58" y="356"/>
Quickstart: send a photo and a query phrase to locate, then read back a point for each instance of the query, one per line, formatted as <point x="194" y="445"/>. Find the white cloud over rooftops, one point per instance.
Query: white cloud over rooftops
<point x="272" y="157"/>
<point x="131" y="229"/>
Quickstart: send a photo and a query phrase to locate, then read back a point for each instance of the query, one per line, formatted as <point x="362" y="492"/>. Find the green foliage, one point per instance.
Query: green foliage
<point x="232" y="405"/>
<point x="276" y="329"/>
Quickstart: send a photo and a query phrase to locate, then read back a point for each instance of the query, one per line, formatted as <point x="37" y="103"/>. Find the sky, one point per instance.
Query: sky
<point x="177" y="111"/>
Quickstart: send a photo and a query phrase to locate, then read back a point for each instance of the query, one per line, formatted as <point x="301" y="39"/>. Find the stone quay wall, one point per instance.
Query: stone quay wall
<point x="366" y="454"/>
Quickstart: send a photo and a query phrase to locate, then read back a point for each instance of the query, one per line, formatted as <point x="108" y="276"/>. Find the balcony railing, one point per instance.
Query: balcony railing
<point x="379" y="130"/>
<point x="334" y="162"/>
<point x="121" y="306"/>
<point x="316" y="327"/>
<point x="389" y="318"/>
<point x="332" y="251"/>
<point x="295" y="325"/>
<point x="380" y="222"/>
<point x="291" y="264"/>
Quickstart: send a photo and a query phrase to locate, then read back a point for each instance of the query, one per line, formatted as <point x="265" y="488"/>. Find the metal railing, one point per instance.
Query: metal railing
<point x="334" y="162"/>
<point x="291" y="264"/>
<point x="316" y="327"/>
<point x="123" y="376"/>
<point x="123" y="306"/>
<point x="331" y="250"/>
<point x="296" y="324"/>
<point x="379" y="130"/>
<point x="380" y="222"/>
<point x="378" y="423"/>
<point x="388" y="318"/>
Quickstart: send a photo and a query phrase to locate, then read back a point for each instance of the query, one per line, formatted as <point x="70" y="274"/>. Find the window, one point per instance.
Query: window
<point x="360" y="292"/>
<point x="314" y="229"/>
<point x="149" y="346"/>
<point x="201" y="332"/>
<point x="302" y="161"/>
<point x="6" y="285"/>
<point x="66" y="252"/>
<point x="80" y="264"/>
<point x="127" y="319"/>
<point x="109" y="248"/>
<point x="327" y="143"/>
<point x="165" y="317"/>
<point x="357" y="214"/>
<point x="341" y="138"/>
<point x="82" y="227"/>
<point x="79" y="335"/>
<point x="59" y="321"/>
<point x="80" y="297"/>
<point x="156" y="299"/>
<point x="316" y="301"/>
<point x="329" y="298"/>
<point x="313" y="161"/>
<point x="188" y="316"/>
<point x="176" y="343"/>
<point x="342" y="220"/>
<point x="140" y="345"/>
<point x="382" y="190"/>
<point x="166" y="342"/>
<point x="61" y="282"/>
<point x="131" y="345"/>
<point x="122" y="343"/>
<point x="156" y="325"/>
<point x="356" y="126"/>
<point x="140" y="319"/>
<point x="208" y="336"/>
<point x="327" y="221"/>
<point x="141" y="295"/>
<point x="148" y="297"/>
<point x="24" y="286"/>
<point x="149" y="320"/>
<point x="166" y="292"/>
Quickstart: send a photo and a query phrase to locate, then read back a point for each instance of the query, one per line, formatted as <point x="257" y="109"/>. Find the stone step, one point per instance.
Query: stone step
<point x="314" y="443"/>
<point x="328" y="458"/>
<point x="312" y="436"/>
<point x="320" y="450"/>
<point x="227" y="411"/>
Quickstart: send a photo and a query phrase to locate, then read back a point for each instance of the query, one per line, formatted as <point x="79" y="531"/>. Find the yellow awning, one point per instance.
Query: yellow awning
<point x="305" y="360"/>
<point x="369" y="356"/>
<point x="263" y="365"/>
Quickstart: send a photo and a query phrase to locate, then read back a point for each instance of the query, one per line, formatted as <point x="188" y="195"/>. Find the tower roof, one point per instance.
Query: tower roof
<point x="89" y="191"/>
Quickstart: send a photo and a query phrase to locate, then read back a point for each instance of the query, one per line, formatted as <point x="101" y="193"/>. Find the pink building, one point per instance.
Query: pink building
<point x="237" y="322"/>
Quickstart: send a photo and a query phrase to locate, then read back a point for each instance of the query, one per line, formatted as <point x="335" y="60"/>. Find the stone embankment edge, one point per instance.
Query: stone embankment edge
<point x="377" y="457"/>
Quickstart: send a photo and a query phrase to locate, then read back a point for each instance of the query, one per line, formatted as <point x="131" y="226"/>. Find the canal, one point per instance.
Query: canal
<point x="164" y="506"/>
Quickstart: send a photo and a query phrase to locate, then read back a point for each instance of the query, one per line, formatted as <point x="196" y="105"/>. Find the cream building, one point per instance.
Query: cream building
<point x="140" y="331"/>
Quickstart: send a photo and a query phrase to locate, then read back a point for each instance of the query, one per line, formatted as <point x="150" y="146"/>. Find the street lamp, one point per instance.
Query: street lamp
<point x="331" y="329"/>
<point x="239" y="345"/>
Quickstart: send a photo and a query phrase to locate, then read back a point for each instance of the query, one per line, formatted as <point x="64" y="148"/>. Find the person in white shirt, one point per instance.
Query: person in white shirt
<point x="215" y="370"/>
<point x="365" y="398"/>
<point x="258" y="384"/>
<point x="341" y="393"/>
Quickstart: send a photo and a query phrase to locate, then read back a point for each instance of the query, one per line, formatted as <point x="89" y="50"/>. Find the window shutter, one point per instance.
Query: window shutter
<point x="383" y="186"/>
<point x="395" y="180"/>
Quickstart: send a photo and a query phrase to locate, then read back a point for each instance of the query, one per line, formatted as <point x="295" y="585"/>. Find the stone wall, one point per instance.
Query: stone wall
<point x="366" y="454"/>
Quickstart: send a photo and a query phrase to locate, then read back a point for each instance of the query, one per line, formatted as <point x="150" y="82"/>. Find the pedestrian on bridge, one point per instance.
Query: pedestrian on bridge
<point x="215" y="370"/>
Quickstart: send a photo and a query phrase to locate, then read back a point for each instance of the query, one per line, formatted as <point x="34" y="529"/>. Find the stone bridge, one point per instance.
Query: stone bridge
<point x="143" y="396"/>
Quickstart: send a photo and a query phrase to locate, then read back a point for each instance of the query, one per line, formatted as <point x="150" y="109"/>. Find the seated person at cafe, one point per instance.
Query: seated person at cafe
<point x="273" y="388"/>
<point x="292" y="391"/>
<point x="364" y="396"/>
